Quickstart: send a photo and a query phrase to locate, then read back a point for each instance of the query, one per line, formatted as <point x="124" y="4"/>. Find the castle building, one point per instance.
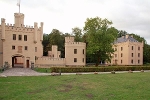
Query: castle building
<point x="20" y="44"/>
<point x="128" y="51"/>
<point x="75" y="55"/>
<point x="75" y="52"/>
<point x="54" y="53"/>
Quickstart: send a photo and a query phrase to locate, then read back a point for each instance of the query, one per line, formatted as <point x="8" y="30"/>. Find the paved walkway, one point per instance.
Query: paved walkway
<point x="30" y="72"/>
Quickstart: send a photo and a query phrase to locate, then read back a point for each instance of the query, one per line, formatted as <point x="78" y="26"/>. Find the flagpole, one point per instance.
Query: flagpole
<point x="18" y="4"/>
<point x="19" y="7"/>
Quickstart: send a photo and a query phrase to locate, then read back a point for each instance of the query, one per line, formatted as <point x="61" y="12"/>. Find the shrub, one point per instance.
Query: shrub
<point x="42" y="70"/>
<point x="98" y="69"/>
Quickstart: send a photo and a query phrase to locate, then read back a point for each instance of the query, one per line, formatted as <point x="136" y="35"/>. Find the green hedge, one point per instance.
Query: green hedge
<point x="43" y="70"/>
<point x="97" y="69"/>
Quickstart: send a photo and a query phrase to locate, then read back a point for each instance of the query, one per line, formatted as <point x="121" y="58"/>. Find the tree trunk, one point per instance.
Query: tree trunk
<point x="98" y="60"/>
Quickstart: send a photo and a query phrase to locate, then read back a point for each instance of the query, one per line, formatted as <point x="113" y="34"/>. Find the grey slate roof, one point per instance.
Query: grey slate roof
<point x="124" y="39"/>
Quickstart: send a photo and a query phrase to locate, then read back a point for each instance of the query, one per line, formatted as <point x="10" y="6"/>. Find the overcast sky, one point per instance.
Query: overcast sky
<point x="132" y="16"/>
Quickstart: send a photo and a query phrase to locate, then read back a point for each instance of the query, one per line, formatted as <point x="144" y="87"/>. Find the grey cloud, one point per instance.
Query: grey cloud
<point x="129" y="15"/>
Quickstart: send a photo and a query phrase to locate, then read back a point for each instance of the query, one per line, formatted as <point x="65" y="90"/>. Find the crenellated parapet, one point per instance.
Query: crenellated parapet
<point x="49" y="58"/>
<point x="69" y="39"/>
<point x="75" y="43"/>
<point x="50" y="61"/>
<point x="24" y="28"/>
<point x="19" y="26"/>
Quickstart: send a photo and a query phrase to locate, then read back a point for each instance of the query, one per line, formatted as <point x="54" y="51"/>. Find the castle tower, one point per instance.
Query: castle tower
<point x="3" y="28"/>
<point x="35" y="32"/>
<point x="19" y="19"/>
<point x="41" y="34"/>
<point x="75" y="52"/>
<point x="2" y="39"/>
<point x="69" y="39"/>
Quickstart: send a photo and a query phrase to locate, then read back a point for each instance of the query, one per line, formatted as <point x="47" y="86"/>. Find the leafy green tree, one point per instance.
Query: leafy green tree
<point x="138" y="38"/>
<point x="99" y="36"/>
<point x="67" y="34"/>
<point x="77" y="33"/>
<point x="57" y="38"/>
<point x="121" y="33"/>
<point x="54" y="38"/>
<point x="45" y="43"/>
<point x="146" y="54"/>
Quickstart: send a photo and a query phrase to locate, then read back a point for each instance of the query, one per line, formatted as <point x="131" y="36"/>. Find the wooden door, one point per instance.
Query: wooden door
<point x="27" y="63"/>
<point x="13" y="61"/>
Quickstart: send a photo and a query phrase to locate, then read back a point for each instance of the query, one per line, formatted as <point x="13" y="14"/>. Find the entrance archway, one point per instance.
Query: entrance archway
<point x="17" y="61"/>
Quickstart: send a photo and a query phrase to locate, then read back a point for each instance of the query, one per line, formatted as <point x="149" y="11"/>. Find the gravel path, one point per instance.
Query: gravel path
<point x="21" y="72"/>
<point x="30" y="72"/>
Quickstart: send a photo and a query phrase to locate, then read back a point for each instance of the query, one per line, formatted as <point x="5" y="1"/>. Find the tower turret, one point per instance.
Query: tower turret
<point x="19" y="19"/>
<point x="41" y="33"/>
<point x="35" y="32"/>
<point x="69" y="39"/>
<point x="3" y="28"/>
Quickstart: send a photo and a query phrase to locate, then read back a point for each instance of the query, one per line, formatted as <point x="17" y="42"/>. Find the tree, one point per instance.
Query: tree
<point x="57" y="38"/>
<point x="146" y="53"/>
<point x="77" y="33"/>
<point x="121" y="33"/>
<point x="100" y="37"/>
<point x="67" y="34"/>
<point x="45" y="43"/>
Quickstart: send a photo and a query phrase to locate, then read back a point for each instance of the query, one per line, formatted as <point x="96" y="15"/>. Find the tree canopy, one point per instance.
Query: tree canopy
<point x="77" y="33"/>
<point x="100" y="36"/>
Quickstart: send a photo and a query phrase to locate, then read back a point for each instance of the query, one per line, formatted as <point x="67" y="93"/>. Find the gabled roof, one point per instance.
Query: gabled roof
<point x="125" y="39"/>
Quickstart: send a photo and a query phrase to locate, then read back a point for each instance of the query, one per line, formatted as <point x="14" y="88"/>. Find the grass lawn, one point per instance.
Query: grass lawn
<point x="43" y="70"/>
<point x="126" y="86"/>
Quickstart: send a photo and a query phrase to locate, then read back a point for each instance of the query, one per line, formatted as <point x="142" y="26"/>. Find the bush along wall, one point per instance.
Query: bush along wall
<point x="97" y="69"/>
